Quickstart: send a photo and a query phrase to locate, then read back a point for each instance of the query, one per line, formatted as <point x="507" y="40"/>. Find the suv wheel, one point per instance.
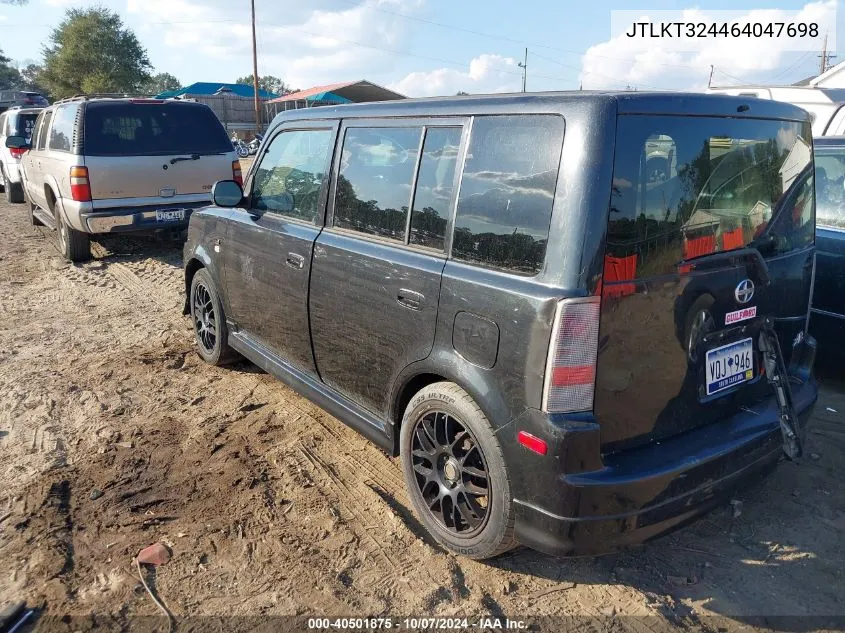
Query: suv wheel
<point x="455" y="472"/>
<point x="14" y="190"/>
<point x="209" y="321"/>
<point x="74" y="245"/>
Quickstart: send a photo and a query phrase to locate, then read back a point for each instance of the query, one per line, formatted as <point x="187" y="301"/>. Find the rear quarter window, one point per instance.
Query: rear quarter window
<point x="507" y="192"/>
<point x="152" y="129"/>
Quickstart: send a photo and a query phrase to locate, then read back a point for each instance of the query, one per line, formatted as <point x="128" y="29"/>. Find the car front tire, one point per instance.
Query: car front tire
<point x="455" y="473"/>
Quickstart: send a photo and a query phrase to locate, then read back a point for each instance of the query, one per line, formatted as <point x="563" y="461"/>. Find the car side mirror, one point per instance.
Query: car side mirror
<point x="226" y="193"/>
<point x="17" y="142"/>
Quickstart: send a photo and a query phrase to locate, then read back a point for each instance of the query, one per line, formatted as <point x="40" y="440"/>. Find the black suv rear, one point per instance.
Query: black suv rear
<point x="571" y="315"/>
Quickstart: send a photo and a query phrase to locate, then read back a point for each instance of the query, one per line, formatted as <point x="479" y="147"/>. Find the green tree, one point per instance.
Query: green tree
<point x="91" y="51"/>
<point x="268" y="83"/>
<point x="30" y="78"/>
<point x="9" y="75"/>
<point x="161" y="82"/>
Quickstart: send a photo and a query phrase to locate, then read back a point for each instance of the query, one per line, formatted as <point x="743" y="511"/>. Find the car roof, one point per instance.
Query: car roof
<point x="33" y="110"/>
<point x="626" y="102"/>
<point x="824" y="141"/>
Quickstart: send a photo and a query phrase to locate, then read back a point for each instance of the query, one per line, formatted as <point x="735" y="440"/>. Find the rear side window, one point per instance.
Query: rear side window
<point x="830" y="186"/>
<point x="44" y="129"/>
<point x="62" y="132"/>
<point x="686" y="188"/>
<point x="375" y="179"/>
<point x="507" y="192"/>
<point x="152" y="129"/>
<point x="290" y="176"/>
<point x="435" y="186"/>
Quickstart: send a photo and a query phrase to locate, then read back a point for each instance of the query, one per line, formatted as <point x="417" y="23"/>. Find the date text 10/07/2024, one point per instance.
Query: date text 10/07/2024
<point x="414" y="624"/>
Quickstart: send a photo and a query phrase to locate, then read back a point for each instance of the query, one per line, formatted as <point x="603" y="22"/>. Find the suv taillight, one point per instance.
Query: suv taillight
<point x="80" y="186"/>
<point x="17" y="152"/>
<point x="237" y="174"/>
<point x="571" y="365"/>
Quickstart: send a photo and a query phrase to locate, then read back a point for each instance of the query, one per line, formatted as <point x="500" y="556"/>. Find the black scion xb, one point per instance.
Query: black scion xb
<point x="578" y="318"/>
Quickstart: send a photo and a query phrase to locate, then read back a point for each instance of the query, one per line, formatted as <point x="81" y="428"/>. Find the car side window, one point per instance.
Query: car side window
<point x="507" y="192"/>
<point x="435" y="185"/>
<point x="830" y="186"/>
<point x="289" y="178"/>
<point x="62" y="131"/>
<point x="44" y="131"/>
<point x="36" y="131"/>
<point x="375" y="179"/>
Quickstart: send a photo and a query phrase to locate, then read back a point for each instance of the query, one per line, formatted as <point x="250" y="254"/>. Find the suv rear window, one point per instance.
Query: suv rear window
<point x="22" y="124"/>
<point x="685" y="188"/>
<point x="152" y="129"/>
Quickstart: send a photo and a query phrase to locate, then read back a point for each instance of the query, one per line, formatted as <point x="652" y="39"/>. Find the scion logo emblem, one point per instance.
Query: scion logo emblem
<point x="744" y="291"/>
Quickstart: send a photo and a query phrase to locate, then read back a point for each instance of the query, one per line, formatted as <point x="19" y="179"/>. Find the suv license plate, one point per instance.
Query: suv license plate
<point x="729" y="365"/>
<point x="170" y="215"/>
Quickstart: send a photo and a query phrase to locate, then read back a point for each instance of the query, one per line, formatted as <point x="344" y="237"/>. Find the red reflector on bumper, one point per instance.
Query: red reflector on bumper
<point x="532" y="443"/>
<point x="577" y="375"/>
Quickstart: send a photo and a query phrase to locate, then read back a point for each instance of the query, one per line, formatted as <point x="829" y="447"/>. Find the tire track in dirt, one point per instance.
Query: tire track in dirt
<point x="347" y="480"/>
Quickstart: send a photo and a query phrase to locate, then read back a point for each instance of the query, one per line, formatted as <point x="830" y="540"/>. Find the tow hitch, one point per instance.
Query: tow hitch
<point x="778" y="377"/>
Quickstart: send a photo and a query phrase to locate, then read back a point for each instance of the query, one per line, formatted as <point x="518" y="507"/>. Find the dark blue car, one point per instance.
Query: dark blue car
<point x="827" y="321"/>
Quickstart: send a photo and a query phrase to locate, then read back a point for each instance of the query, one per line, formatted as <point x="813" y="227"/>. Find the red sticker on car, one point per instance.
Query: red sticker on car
<point x="740" y="315"/>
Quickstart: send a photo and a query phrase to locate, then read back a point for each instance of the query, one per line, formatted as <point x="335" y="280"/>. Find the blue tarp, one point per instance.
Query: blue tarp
<point x="209" y="88"/>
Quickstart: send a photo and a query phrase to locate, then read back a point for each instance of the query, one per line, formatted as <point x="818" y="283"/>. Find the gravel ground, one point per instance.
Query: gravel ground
<point x="114" y="435"/>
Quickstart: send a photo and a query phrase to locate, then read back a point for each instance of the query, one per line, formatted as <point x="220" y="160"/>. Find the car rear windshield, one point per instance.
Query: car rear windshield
<point x="685" y="188"/>
<point x="22" y="124"/>
<point x="830" y="186"/>
<point x="152" y="129"/>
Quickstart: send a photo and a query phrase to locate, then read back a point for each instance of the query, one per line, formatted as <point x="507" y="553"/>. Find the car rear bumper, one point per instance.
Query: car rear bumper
<point x="641" y="493"/>
<point x="139" y="218"/>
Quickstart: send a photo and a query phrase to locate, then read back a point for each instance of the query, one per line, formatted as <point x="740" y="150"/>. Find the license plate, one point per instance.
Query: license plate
<point x="170" y="215"/>
<point x="729" y="365"/>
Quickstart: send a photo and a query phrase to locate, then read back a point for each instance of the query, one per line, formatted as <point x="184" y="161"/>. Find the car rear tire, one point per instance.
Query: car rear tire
<point x="209" y="321"/>
<point x="74" y="245"/>
<point x="455" y="473"/>
<point x="13" y="190"/>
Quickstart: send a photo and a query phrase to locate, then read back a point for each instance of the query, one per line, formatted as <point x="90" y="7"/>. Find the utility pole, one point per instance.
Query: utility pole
<point x="710" y="80"/>
<point x="524" y="66"/>
<point x="255" y="72"/>
<point x="825" y="57"/>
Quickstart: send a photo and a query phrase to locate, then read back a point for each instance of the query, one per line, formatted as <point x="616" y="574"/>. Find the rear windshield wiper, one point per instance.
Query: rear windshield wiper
<point x="173" y="161"/>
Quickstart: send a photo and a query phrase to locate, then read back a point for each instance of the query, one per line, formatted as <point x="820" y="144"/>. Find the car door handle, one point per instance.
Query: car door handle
<point x="410" y="299"/>
<point x="294" y="260"/>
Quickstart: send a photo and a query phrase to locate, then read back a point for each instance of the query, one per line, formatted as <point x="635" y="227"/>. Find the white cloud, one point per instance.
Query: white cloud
<point x="622" y="61"/>
<point x="486" y="74"/>
<point x="320" y="42"/>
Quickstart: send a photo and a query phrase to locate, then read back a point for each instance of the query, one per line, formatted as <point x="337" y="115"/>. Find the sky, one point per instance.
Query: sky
<point x="423" y="47"/>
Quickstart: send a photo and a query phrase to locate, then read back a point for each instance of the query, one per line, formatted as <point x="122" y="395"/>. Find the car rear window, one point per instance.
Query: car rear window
<point x="152" y="129"/>
<point x="22" y="124"/>
<point x="830" y="186"/>
<point x="685" y="188"/>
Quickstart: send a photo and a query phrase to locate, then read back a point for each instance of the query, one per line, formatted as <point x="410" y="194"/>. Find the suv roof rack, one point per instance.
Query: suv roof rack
<point x="106" y="95"/>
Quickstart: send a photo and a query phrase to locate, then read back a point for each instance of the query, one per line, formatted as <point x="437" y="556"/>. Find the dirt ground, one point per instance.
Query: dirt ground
<point x="114" y="435"/>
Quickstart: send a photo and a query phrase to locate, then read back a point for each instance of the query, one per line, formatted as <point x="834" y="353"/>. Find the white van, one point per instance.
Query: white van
<point x="825" y="105"/>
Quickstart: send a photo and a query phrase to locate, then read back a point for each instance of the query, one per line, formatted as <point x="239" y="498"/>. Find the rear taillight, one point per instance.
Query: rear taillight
<point x="571" y="365"/>
<point x="17" y="152"/>
<point x="237" y="175"/>
<point x="80" y="186"/>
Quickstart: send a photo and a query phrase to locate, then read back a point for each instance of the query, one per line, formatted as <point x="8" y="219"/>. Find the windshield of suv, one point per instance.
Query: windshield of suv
<point x="684" y="189"/>
<point x="22" y="124"/>
<point x="830" y="185"/>
<point x="152" y="129"/>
